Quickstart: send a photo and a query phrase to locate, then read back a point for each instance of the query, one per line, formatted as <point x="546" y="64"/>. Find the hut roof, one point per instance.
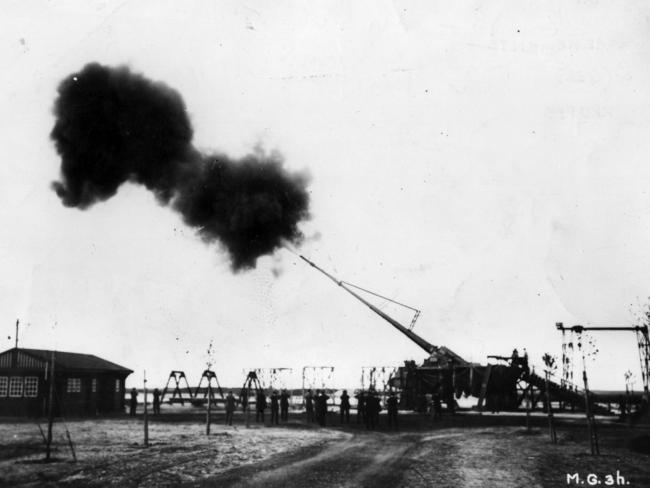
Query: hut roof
<point x="70" y="360"/>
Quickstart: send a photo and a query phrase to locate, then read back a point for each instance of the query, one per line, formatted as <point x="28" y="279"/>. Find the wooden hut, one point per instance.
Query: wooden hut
<point x="84" y="384"/>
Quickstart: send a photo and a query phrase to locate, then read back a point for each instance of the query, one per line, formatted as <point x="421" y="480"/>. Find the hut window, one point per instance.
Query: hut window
<point x="31" y="386"/>
<point x="74" y="385"/>
<point x="4" y="383"/>
<point x="16" y="386"/>
<point x="93" y="385"/>
<point x="117" y="386"/>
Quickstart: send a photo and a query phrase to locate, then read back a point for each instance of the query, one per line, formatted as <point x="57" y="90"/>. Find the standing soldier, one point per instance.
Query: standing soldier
<point x="372" y="410"/>
<point x="345" y="407"/>
<point x="318" y="406"/>
<point x="377" y="409"/>
<point x="391" y="406"/>
<point x="275" y="406"/>
<point x="134" y="402"/>
<point x="515" y="357"/>
<point x="622" y="406"/>
<point x="324" y="407"/>
<point x="524" y="361"/>
<point x="284" y="405"/>
<point x="230" y="407"/>
<point x="451" y="403"/>
<point x="321" y="407"/>
<point x="361" y="406"/>
<point x="367" y="409"/>
<point x="437" y="406"/>
<point x="156" y="401"/>
<point x="243" y="399"/>
<point x="260" y="407"/>
<point x="309" y="406"/>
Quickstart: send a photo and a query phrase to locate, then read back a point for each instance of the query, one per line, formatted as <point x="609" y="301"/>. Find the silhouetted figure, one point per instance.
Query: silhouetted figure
<point x="377" y="409"/>
<point x="524" y="361"/>
<point x="230" y="407"/>
<point x="275" y="408"/>
<point x="391" y="406"/>
<point x="373" y="407"/>
<point x="437" y="406"/>
<point x="243" y="399"/>
<point x="451" y="403"/>
<point x="309" y="406"/>
<point x="284" y="405"/>
<point x="345" y="407"/>
<point x="515" y="359"/>
<point x="321" y="407"/>
<point x="361" y="407"/>
<point x="622" y="406"/>
<point x="260" y="407"/>
<point x="134" y="402"/>
<point x="156" y="401"/>
<point x="317" y="406"/>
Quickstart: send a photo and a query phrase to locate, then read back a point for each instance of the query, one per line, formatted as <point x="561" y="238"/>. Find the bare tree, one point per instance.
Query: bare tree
<point x="549" y="370"/>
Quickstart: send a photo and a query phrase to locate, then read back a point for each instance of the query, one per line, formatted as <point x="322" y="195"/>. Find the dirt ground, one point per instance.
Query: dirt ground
<point x="459" y="451"/>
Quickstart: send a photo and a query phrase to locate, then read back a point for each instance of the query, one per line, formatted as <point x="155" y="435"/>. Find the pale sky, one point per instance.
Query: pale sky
<point x="485" y="162"/>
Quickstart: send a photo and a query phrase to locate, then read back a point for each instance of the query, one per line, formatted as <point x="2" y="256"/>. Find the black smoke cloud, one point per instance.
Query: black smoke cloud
<point x="114" y="126"/>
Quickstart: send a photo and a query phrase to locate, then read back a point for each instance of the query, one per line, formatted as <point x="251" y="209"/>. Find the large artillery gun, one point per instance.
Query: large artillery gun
<point x="501" y="385"/>
<point x="443" y="372"/>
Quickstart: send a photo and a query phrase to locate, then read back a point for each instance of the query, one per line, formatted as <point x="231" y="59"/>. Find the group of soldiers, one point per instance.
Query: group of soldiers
<point x="518" y="360"/>
<point x="279" y="406"/>
<point x="316" y="406"/>
<point x="368" y="406"/>
<point x="134" y="402"/>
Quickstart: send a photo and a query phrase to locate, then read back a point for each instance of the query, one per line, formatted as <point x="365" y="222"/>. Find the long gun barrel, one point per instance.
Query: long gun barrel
<point x="429" y="348"/>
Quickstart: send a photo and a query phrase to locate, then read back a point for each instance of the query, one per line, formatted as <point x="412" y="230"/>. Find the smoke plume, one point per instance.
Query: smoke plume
<point x="114" y="126"/>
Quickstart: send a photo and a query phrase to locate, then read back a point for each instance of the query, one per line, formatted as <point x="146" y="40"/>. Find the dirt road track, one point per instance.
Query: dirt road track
<point x="450" y="458"/>
<point x="365" y="460"/>
<point x="297" y="455"/>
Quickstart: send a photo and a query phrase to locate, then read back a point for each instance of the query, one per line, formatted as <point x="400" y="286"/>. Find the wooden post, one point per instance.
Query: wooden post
<point x="50" y="410"/>
<point x="549" y="409"/>
<point x="40" y="429"/>
<point x="146" y="416"/>
<point x="248" y="407"/>
<point x="591" y="423"/>
<point x="67" y="434"/>
<point x="208" y="413"/>
<point x="529" y="404"/>
<point x="304" y="400"/>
